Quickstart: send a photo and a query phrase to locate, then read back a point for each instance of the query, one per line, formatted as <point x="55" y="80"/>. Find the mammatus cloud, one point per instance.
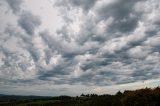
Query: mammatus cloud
<point x="101" y="44"/>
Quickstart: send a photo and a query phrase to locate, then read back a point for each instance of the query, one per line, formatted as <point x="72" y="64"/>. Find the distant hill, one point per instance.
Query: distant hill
<point x="20" y="97"/>
<point x="1" y="95"/>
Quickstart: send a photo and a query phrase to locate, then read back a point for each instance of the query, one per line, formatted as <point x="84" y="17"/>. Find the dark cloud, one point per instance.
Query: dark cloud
<point x="64" y="47"/>
<point x="84" y="4"/>
<point x="15" y="5"/>
<point x="125" y="19"/>
<point x="145" y="74"/>
<point x="29" y="22"/>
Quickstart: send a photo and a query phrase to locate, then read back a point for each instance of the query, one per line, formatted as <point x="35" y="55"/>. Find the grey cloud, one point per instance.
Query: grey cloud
<point x="66" y="48"/>
<point x="29" y="22"/>
<point x="18" y="56"/>
<point x="84" y="4"/>
<point x="14" y="66"/>
<point x="139" y="51"/>
<point x="122" y="11"/>
<point x="152" y="24"/>
<point x="34" y="53"/>
<point x="113" y="47"/>
<point x="15" y="5"/>
<point x="146" y="72"/>
<point x="24" y="41"/>
<point x="62" y="68"/>
<point x="48" y="55"/>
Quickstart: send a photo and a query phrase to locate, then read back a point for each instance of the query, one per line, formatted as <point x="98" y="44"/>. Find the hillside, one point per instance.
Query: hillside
<point x="140" y="97"/>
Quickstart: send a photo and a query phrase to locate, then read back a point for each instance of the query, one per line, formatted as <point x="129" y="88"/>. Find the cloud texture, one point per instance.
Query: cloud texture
<point x="101" y="43"/>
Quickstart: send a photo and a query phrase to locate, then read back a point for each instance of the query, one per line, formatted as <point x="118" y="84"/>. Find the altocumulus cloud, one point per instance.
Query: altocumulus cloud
<point x="100" y="44"/>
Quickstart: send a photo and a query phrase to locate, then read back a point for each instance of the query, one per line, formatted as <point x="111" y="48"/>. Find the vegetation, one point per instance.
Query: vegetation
<point x="141" y="97"/>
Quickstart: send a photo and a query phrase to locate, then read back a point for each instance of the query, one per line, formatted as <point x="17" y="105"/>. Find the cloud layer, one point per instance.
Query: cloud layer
<point x="101" y="43"/>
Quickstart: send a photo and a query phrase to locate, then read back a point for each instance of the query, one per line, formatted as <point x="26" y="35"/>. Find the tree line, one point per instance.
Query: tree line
<point x="140" y="97"/>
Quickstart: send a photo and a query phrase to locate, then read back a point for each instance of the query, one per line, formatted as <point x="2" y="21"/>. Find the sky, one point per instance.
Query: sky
<point x="70" y="47"/>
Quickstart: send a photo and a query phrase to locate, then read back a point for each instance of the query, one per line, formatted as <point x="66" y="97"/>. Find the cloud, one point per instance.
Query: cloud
<point x="125" y="18"/>
<point x="29" y="22"/>
<point x="101" y="43"/>
<point x="15" y="5"/>
<point x="15" y="66"/>
<point x="84" y="4"/>
<point x="139" y="51"/>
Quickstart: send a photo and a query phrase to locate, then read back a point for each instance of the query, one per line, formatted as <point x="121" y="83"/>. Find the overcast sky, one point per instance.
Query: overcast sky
<point x="69" y="47"/>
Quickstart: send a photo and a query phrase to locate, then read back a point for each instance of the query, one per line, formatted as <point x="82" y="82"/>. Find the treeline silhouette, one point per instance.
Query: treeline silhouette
<point x="141" y="97"/>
